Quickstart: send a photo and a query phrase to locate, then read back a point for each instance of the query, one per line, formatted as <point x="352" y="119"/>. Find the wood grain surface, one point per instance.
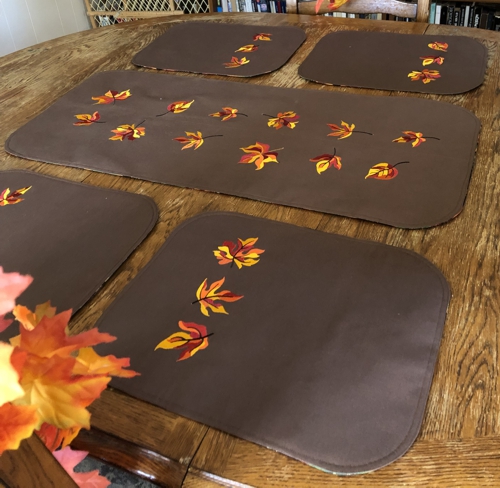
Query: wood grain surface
<point x="459" y="444"/>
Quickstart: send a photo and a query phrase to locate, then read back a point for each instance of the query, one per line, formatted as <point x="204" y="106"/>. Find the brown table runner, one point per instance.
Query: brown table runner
<point x="405" y="162"/>
<point x="222" y="49"/>
<point x="406" y="62"/>
<point x="70" y="237"/>
<point x="319" y="346"/>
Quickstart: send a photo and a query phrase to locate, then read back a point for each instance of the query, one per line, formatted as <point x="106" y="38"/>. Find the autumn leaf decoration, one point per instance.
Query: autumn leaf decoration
<point x="426" y="60"/>
<point x="177" y="107"/>
<point x="8" y="198"/>
<point x="262" y="37"/>
<point x="332" y="4"/>
<point x="439" y="46"/>
<point x="384" y="171"/>
<point x="326" y="161"/>
<point x="285" y="119"/>
<point x="193" y="339"/>
<point x="227" y="113"/>
<point x="236" y="63"/>
<point x="111" y="96"/>
<point x="248" y="48"/>
<point x="259" y="154"/>
<point x="88" y="119"/>
<point x="193" y="139"/>
<point x="426" y="75"/>
<point x="344" y="130"/>
<point x="129" y="132"/>
<point x="416" y="138"/>
<point x="207" y="297"/>
<point x="242" y="253"/>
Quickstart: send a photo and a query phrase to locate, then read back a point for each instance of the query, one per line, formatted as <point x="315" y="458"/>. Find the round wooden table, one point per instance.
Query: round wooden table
<point x="459" y="444"/>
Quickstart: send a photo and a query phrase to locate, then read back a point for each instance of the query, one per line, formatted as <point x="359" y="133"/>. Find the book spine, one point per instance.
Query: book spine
<point x="432" y="14"/>
<point x="450" y="15"/>
<point x="437" y="19"/>
<point x="467" y="16"/>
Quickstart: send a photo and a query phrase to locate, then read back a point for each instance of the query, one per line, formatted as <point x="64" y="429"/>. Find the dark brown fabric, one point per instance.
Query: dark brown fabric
<point x="70" y="237"/>
<point x="328" y="357"/>
<point x="431" y="189"/>
<point x="383" y="61"/>
<point x="204" y="47"/>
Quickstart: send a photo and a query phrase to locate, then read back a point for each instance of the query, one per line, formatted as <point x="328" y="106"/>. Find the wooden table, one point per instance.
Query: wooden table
<point x="459" y="444"/>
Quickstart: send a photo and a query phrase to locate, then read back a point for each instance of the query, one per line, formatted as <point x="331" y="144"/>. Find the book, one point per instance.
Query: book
<point x="432" y="13"/>
<point x="437" y="19"/>
<point x="466" y="15"/>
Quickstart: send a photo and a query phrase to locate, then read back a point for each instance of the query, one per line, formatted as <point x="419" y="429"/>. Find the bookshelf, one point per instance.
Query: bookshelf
<point x="482" y="15"/>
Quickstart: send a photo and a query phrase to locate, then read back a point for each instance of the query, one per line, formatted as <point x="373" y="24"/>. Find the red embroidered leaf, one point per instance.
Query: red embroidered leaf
<point x="129" y="132"/>
<point x="283" y="119"/>
<point x="111" y="96"/>
<point x="431" y="59"/>
<point x="259" y="154"/>
<point x="8" y="198"/>
<point x="262" y="37"/>
<point x="194" y="339"/>
<point x="242" y="253"/>
<point x="236" y="63"/>
<point x="207" y="297"/>
<point x="425" y="75"/>
<point x="248" y="48"/>
<point x="439" y="46"/>
<point x="326" y="161"/>
<point x="87" y="119"/>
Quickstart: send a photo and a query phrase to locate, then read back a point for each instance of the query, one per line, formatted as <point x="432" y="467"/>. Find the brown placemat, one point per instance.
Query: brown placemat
<point x="332" y="152"/>
<point x="324" y="349"/>
<point x="69" y="236"/>
<point x="221" y="49"/>
<point x="406" y="62"/>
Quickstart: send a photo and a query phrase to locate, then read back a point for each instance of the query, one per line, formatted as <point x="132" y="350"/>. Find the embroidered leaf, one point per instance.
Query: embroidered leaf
<point x="416" y="138"/>
<point x="189" y="343"/>
<point x="8" y="198"/>
<point x="342" y="131"/>
<point x="384" y="171"/>
<point x="17" y="423"/>
<point x="227" y="113"/>
<point x="88" y="362"/>
<point x="285" y="119"/>
<point x="332" y="4"/>
<point x="262" y="37"/>
<point x="431" y="59"/>
<point x="87" y="119"/>
<point x="236" y="63"/>
<point x="130" y="132"/>
<point x="248" y="48"/>
<point x="259" y="154"/>
<point x="193" y="140"/>
<point x="179" y="107"/>
<point x="438" y="46"/>
<point x="53" y="438"/>
<point x="207" y="297"/>
<point x="28" y="319"/>
<point x="10" y="389"/>
<point x="243" y="253"/>
<point x="326" y="161"/>
<point x="425" y="75"/>
<point x="111" y="96"/>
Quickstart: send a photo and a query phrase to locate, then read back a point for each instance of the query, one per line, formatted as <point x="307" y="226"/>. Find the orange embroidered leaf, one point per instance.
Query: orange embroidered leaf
<point x="111" y="96"/>
<point x="438" y="46"/>
<point x="53" y="438"/>
<point x="259" y="154"/>
<point x="130" y="132"/>
<point x="10" y="389"/>
<point x="248" y="48"/>
<point x="87" y="119"/>
<point x="227" y="113"/>
<point x="192" y="140"/>
<point x="416" y="138"/>
<point x="285" y="119"/>
<point x="384" y="171"/>
<point x="28" y="319"/>
<point x="242" y="253"/>
<point x="236" y="63"/>
<point x="431" y="59"/>
<point x="342" y="131"/>
<point x="179" y="107"/>
<point x="16" y="423"/>
<point x="425" y="75"/>
<point x="262" y="36"/>
<point x="189" y="343"/>
<point x="332" y="4"/>
<point x="326" y="161"/>
<point x="88" y="362"/>
<point x="207" y="297"/>
<point x="8" y="198"/>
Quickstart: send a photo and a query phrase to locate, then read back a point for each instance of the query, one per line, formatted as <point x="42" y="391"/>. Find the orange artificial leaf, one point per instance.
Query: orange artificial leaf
<point x="87" y="119"/>
<point x="53" y="438"/>
<point x="262" y="37"/>
<point x="227" y="113"/>
<point x="130" y="132"/>
<point x="248" y="48"/>
<point x="111" y="96"/>
<point x="332" y="4"/>
<point x="88" y="362"/>
<point x="438" y="46"/>
<point x="16" y="423"/>
<point x="242" y="253"/>
<point x="426" y="75"/>
<point x="8" y="198"/>
<point x="207" y="297"/>
<point x="285" y="119"/>
<point x="326" y="161"/>
<point x="28" y="319"/>
<point x="236" y="63"/>
<point x="431" y="59"/>
<point x="189" y="343"/>
<point x="383" y="171"/>
<point x="259" y="154"/>
<point x="10" y="389"/>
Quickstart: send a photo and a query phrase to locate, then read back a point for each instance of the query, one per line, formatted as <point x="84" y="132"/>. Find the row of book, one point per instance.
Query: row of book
<point x="270" y="6"/>
<point x="482" y="16"/>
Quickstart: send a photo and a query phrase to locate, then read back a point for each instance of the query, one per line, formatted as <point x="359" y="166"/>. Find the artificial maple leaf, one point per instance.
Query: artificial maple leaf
<point x="11" y="286"/>
<point x="111" y="96"/>
<point x="68" y="459"/>
<point x="332" y="4"/>
<point x="88" y="362"/>
<point x="53" y="438"/>
<point x="426" y="75"/>
<point x="10" y="389"/>
<point x="16" y="423"/>
<point x="207" y="297"/>
<point x="326" y="161"/>
<point x="242" y="253"/>
<point x="259" y="154"/>
<point x="383" y="171"/>
<point x="130" y="132"/>
<point x="283" y="119"/>
<point x="438" y="46"/>
<point x="177" y="107"/>
<point x="8" y="198"/>
<point x="236" y="63"/>
<point x="28" y="319"/>
<point x="227" y="113"/>
<point x="189" y="343"/>
<point x="262" y="37"/>
<point x="431" y="59"/>
<point x="248" y="48"/>
<point x="87" y="119"/>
